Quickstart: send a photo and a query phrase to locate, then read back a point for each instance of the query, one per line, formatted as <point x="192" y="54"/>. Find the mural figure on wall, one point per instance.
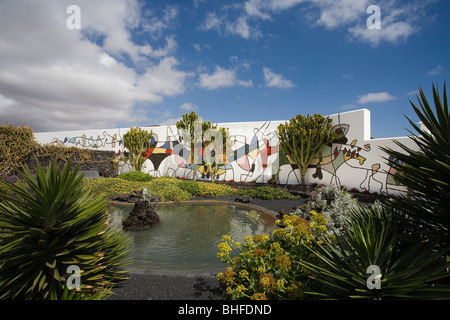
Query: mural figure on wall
<point x="107" y="141"/>
<point x="257" y="157"/>
<point x="248" y="160"/>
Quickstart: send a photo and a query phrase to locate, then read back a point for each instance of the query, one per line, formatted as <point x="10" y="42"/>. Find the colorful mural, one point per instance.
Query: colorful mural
<point x="82" y="141"/>
<point x="351" y="160"/>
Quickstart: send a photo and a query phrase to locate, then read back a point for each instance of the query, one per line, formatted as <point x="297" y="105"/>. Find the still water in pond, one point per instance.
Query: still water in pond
<point x="188" y="234"/>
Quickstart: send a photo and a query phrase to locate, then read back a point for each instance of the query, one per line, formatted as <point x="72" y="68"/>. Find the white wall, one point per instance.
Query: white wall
<point x="354" y="161"/>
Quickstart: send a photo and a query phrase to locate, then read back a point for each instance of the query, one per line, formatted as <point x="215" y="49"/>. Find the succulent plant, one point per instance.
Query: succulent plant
<point x="51" y="225"/>
<point x="303" y="137"/>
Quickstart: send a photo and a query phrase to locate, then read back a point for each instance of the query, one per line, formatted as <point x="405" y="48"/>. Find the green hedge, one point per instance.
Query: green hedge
<point x="135" y="176"/>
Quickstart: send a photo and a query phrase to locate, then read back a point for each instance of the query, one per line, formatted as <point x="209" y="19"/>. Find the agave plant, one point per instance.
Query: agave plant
<point x="369" y="239"/>
<point x="426" y="172"/>
<point x="50" y="223"/>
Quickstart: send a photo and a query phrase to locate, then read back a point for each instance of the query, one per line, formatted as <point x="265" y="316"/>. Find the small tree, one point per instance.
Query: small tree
<point x="206" y="142"/>
<point x="218" y="145"/>
<point x="304" y="137"/>
<point x="137" y="141"/>
<point x="187" y="137"/>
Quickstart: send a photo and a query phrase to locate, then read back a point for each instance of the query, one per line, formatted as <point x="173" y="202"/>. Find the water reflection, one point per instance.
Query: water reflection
<point x="188" y="234"/>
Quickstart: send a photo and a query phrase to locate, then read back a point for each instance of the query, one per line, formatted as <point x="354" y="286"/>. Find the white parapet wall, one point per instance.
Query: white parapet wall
<point x="353" y="160"/>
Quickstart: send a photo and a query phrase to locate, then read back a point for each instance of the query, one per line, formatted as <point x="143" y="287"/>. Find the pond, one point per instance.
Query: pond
<point x="188" y="234"/>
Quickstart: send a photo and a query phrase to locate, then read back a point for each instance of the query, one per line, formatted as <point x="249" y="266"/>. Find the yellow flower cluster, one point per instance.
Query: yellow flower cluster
<point x="214" y="190"/>
<point x="269" y="268"/>
<point x="296" y="229"/>
<point x="283" y="261"/>
<point x="166" y="187"/>
<point x="113" y="186"/>
<point x="267" y="281"/>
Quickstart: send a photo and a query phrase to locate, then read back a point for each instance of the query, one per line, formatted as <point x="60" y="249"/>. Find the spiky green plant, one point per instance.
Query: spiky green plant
<point x="303" y="137"/>
<point x="370" y="239"/>
<point x="50" y="223"/>
<point x="425" y="171"/>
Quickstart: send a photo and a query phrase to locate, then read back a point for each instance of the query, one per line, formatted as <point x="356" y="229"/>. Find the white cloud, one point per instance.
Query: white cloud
<point x="254" y="9"/>
<point x="399" y="19"/>
<point x="436" y="71"/>
<point x="163" y="79"/>
<point x="188" y="107"/>
<point x="375" y="97"/>
<point x="197" y="47"/>
<point x="245" y="83"/>
<point x="158" y="24"/>
<point x="390" y="32"/>
<point x="412" y="93"/>
<point x="276" y="80"/>
<point x="54" y="78"/>
<point x="107" y="60"/>
<point x="263" y="8"/>
<point x="340" y="12"/>
<point x="212" y="22"/>
<point x="241" y="27"/>
<point x="221" y="78"/>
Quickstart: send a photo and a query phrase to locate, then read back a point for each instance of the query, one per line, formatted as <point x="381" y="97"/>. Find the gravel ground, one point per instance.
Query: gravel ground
<point x="157" y="285"/>
<point x="151" y="285"/>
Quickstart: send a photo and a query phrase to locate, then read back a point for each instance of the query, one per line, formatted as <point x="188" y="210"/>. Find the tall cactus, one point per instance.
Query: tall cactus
<point x="222" y="149"/>
<point x="188" y="123"/>
<point x="137" y="141"/>
<point x="304" y="137"/>
<point x="201" y="142"/>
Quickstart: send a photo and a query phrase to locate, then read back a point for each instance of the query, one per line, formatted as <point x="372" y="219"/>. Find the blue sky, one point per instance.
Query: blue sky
<point x="148" y="62"/>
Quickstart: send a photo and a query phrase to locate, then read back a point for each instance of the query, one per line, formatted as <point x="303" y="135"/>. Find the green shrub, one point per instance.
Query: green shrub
<point x="333" y="203"/>
<point x="50" y="224"/>
<point x="17" y="143"/>
<point x="173" y="193"/>
<point x="166" y="187"/>
<point x="112" y="186"/>
<point x="266" y="193"/>
<point x="206" y="189"/>
<point x="164" y="181"/>
<point x="190" y="186"/>
<point x="135" y="176"/>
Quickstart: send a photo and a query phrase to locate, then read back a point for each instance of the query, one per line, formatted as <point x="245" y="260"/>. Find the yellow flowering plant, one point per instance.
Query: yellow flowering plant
<point x="268" y="267"/>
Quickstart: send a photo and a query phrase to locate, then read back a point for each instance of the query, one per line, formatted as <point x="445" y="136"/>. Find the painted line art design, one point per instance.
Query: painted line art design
<point x="255" y="157"/>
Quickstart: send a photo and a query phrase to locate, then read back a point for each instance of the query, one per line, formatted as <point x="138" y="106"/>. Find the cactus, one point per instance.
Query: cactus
<point x="137" y="141"/>
<point x="201" y="141"/>
<point x="304" y="137"/>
